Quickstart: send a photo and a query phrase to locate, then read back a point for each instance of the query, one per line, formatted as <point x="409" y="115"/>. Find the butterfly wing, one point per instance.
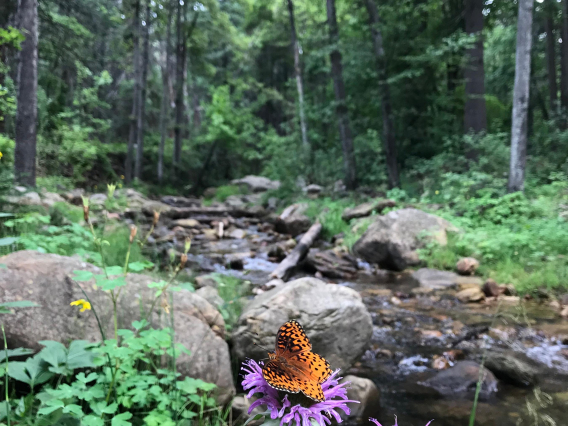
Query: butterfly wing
<point x="312" y="390"/>
<point x="277" y="376"/>
<point x="313" y="366"/>
<point x="292" y="339"/>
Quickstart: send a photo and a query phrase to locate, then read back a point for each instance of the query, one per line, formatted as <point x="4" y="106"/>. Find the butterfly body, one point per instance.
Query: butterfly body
<point x="293" y="367"/>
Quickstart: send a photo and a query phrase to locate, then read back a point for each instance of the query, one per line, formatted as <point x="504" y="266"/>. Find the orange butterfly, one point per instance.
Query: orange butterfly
<point x="293" y="367"/>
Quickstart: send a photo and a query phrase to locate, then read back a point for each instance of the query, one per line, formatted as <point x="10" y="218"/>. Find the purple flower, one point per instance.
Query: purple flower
<point x="335" y="397"/>
<point x="375" y="421"/>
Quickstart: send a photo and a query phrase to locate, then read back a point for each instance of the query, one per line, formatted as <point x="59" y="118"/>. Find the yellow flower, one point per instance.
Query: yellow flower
<point x="437" y="192"/>
<point x="120" y="185"/>
<point x="85" y="306"/>
<point x="122" y="177"/>
<point x="1" y="155"/>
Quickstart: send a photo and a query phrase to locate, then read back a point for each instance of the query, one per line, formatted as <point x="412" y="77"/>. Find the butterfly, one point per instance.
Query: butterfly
<point x="293" y="367"/>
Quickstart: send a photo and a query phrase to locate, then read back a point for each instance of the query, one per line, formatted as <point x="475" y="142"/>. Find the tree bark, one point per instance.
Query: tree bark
<point x="166" y="99"/>
<point x="135" y="93"/>
<point x="475" y="116"/>
<point x="283" y="270"/>
<point x="298" y="73"/>
<point x="26" y="115"/>
<point x="340" y="98"/>
<point x="180" y="80"/>
<point x="389" y="140"/>
<point x="551" y="57"/>
<point x="564" y="60"/>
<point x="142" y="106"/>
<point x="521" y="97"/>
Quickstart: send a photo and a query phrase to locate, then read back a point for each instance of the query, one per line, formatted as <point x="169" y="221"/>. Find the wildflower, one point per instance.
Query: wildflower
<point x="335" y="398"/>
<point x="156" y="218"/>
<point x="120" y="185"/>
<point x="86" y="209"/>
<point x="85" y="306"/>
<point x="110" y="190"/>
<point x="183" y="261"/>
<point x="437" y="192"/>
<point x="122" y="177"/>
<point x="375" y="421"/>
<point x="1" y="155"/>
<point x="133" y="231"/>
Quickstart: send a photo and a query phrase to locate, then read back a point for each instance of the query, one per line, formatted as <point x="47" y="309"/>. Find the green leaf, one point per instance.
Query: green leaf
<point x="19" y="304"/>
<point x="80" y="355"/>
<point x="15" y="352"/>
<point x="256" y="417"/>
<point x="139" y="266"/>
<point x="74" y="409"/>
<point x="6" y="241"/>
<point x="53" y="405"/>
<point x="6" y="214"/>
<point x="91" y="420"/>
<point x="54" y="353"/>
<point x="114" y="270"/>
<point x="108" y="284"/>
<point x="120" y="420"/>
<point x="82" y="275"/>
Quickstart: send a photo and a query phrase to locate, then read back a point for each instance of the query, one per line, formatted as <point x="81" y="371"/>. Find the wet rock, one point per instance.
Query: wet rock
<point x="211" y="295"/>
<point x="366" y="209"/>
<point x="276" y="251"/>
<point x="272" y="203"/>
<point x="186" y="223"/>
<point x="392" y="240"/>
<point x="512" y="368"/>
<point x="366" y="392"/>
<point x="74" y="196"/>
<point x="46" y="280"/>
<point x="471" y="295"/>
<point x="257" y="183"/>
<point x="334" y="318"/>
<point x="332" y="264"/>
<point x="467" y="266"/>
<point x="293" y="221"/>
<point x="236" y="233"/>
<point x="491" y="288"/>
<point x="464" y="282"/>
<point x="180" y="201"/>
<point x="205" y="281"/>
<point x="431" y="334"/>
<point x="462" y="378"/>
<point x="434" y="278"/>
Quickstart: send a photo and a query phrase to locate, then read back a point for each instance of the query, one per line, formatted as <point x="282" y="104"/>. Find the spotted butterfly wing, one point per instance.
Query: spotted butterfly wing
<point x="292" y="338"/>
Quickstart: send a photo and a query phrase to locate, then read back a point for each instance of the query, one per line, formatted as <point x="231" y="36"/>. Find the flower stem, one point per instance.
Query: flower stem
<point x="6" y="377"/>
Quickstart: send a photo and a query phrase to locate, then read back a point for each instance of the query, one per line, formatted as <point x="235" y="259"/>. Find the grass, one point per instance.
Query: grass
<point x="231" y="290"/>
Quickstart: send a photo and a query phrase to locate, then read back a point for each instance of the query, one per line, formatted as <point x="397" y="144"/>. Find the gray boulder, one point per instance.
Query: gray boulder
<point x="334" y="318"/>
<point x="257" y="183"/>
<point x="462" y="378"/>
<point x="366" y="392"/>
<point x="392" y="240"/>
<point x="366" y="209"/>
<point x="46" y="280"/>
<point x="512" y="368"/>
<point x="434" y="278"/>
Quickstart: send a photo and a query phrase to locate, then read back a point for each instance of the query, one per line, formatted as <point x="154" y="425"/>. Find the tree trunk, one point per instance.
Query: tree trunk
<point x="166" y="100"/>
<point x="551" y="57"/>
<point x="475" y="116"/>
<point x="298" y="73"/>
<point x="389" y="140"/>
<point x="142" y="106"/>
<point x="180" y="80"/>
<point x="26" y="115"/>
<point x="564" y="59"/>
<point x="135" y="93"/>
<point x="521" y="97"/>
<point x="341" y="109"/>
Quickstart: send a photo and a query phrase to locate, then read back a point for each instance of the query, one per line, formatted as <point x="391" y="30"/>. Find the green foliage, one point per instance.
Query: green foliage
<point x="225" y="191"/>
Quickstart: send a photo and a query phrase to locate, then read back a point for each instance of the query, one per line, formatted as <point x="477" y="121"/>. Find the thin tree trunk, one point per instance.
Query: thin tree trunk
<point x="180" y="80"/>
<point x="475" y="116"/>
<point x="135" y="93"/>
<point x="166" y="100"/>
<point x="389" y="140"/>
<point x="298" y="73"/>
<point x="521" y="97"/>
<point x="551" y="57"/>
<point x="340" y="99"/>
<point x="564" y="60"/>
<point x="26" y="115"/>
<point x="142" y="105"/>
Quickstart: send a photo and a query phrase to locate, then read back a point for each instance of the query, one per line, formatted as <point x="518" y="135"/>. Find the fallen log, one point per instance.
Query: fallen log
<point x="283" y="270"/>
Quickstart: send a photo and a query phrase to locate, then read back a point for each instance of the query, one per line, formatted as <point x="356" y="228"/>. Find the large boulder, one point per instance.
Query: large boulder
<point x="366" y="392"/>
<point x="293" y="221"/>
<point x="512" y="367"/>
<point x="366" y="209"/>
<point x="46" y="280"/>
<point x="392" y="240"/>
<point x="332" y="264"/>
<point x="462" y="378"/>
<point x="257" y="183"/>
<point x="334" y="318"/>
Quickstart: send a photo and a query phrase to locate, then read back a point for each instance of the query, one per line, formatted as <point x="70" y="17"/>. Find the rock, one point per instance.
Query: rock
<point x="75" y="196"/>
<point x="205" y="281"/>
<point x="240" y="406"/>
<point x="148" y="207"/>
<point x="97" y="199"/>
<point x="339" y="186"/>
<point x="366" y="209"/>
<point x="467" y="266"/>
<point x="257" y="183"/>
<point x="186" y="223"/>
<point x="511" y="368"/>
<point x="50" y="198"/>
<point x="180" y="201"/>
<point x="470" y="295"/>
<point x="312" y="189"/>
<point x="491" y="288"/>
<point x="211" y="295"/>
<point x="434" y="278"/>
<point x="45" y="279"/>
<point x="564" y="312"/>
<point x="235" y="202"/>
<point x="464" y="282"/>
<point x="28" y="199"/>
<point x="293" y="221"/>
<point x="392" y="240"/>
<point x="209" y="193"/>
<point x="563" y="299"/>
<point x="236" y="233"/>
<point x="332" y="264"/>
<point x="334" y="318"/>
<point x="366" y="392"/>
<point x="272" y="203"/>
<point x="276" y="251"/>
<point x="462" y="378"/>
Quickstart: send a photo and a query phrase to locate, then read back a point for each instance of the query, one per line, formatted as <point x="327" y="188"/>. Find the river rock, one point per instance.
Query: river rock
<point x="334" y="318"/>
<point x="186" y="223"/>
<point x="366" y="392"/>
<point x="98" y="199"/>
<point x="205" y="281"/>
<point x="434" y="278"/>
<point x="181" y="201"/>
<point x="512" y="368"/>
<point x="211" y="295"/>
<point x="491" y="288"/>
<point x="467" y="266"/>
<point x="312" y="189"/>
<point x="461" y="378"/>
<point x="392" y="240"/>
<point x="46" y="280"/>
<point x="293" y="221"/>
<point x="366" y="209"/>
<point x="28" y="199"/>
<point x="471" y="295"/>
<point x="50" y="198"/>
<point x="332" y="264"/>
<point x="257" y="183"/>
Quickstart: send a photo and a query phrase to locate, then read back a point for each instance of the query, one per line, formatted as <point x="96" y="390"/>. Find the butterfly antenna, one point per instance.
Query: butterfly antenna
<point x="260" y="346"/>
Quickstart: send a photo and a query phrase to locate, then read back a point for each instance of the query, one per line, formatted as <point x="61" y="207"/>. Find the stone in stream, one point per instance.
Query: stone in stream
<point x="334" y="318"/>
<point x="257" y="183"/>
<point x="512" y="368"/>
<point x="467" y="266"/>
<point x="293" y="221"/>
<point x="366" y="209"/>
<point x="366" y="392"/>
<point x="205" y="281"/>
<point x="332" y="264"/>
<point x="211" y="295"/>
<point x="186" y="223"/>
<point x="462" y="378"/>
<point x="46" y="279"/>
<point x="392" y="240"/>
<point x="435" y="279"/>
<point x="471" y="295"/>
<point x="491" y="288"/>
